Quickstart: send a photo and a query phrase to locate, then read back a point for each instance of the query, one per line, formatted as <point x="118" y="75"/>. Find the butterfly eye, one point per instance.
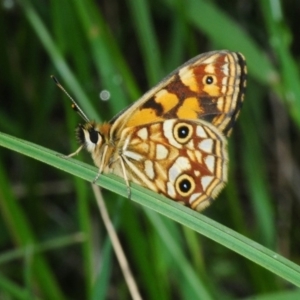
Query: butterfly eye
<point x="185" y="185"/>
<point x="182" y="132"/>
<point x="94" y="136"/>
<point x="89" y="137"/>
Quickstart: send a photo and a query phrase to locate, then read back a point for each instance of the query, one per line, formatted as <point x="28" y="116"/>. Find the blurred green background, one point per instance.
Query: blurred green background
<point x="52" y="241"/>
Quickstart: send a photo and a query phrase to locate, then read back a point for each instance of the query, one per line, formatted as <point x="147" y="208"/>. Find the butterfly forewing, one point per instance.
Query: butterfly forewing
<point x="211" y="87"/>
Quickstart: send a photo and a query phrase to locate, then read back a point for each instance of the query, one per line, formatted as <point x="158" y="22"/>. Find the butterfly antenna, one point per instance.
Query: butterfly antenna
<point x="75" y="106"/>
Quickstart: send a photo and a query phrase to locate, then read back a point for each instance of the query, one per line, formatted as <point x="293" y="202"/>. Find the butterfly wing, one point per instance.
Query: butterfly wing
<point x="172" y="140"/>
<point x="185" y="160"/>
<point x="210" y="87"/>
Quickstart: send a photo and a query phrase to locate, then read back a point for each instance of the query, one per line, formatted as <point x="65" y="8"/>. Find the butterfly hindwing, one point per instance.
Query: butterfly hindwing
<point x="185" y="160"/>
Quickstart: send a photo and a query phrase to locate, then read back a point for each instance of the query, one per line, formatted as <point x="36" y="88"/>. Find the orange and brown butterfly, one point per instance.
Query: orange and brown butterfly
<point x="173" y="139"/>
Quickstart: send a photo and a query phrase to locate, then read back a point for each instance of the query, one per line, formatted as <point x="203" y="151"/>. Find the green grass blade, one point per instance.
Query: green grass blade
<point x="286" y="295"/>
<point x="63" y="69"/>
<point x="42" y="247"/>
<point x="101" y="286"/>
<point x="23" y="235"/>
<point x="198" y="222"/>
<point x="279" y="35"/>
<point x="186" y="270"/>
<point x="146" y="36"/>
<point x="9" y="287"/>
<point x="100" y="44"/>
<point x="225" y="33"/>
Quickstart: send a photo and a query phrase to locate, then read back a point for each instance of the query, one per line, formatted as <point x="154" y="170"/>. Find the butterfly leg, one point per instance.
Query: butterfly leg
<point x="100" y="170"/>
<point x="76" y="152"/>
<point x="97" y="177"/>
<point x="125" y="177"/>
<point x="119" y="158"/>
<point x="72" y="154"/>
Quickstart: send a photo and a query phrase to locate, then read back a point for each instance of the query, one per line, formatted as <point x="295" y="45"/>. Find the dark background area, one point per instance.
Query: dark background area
<point x="125" y="47"/>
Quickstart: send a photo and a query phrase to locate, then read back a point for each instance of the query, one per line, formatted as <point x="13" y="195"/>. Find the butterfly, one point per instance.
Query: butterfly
<point x="173" y="139"/>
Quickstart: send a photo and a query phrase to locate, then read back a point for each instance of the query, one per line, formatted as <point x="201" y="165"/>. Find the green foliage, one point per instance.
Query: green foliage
<point x="52" y="242"/>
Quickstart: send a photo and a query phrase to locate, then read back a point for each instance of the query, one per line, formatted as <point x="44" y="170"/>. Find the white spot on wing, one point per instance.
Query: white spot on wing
<point x="206" y="145"/>
<point x="225" y="69"/>
<point x="210" y="59"/>
<point x="184" y="71"/>
<point x="224" y="81"/>
<point x="210" y="163"/>
<point x="210" y="69"/>
<point x="200" y="132"/>
<point x="224" y="85"/>
<point x="194" y="197"/>
<point x="143" y="134"/>
<point x="133" y="155"/>
<point x="197" y="173"/>
<point x="149" y="170"/>
<point x="181" y="164"/>
<point x="220" y="103"/>
<point x="206" y="181"/>
<point x="168" y="132"/>
<point x="171" y="190"/>
<point x="161" y="151"/>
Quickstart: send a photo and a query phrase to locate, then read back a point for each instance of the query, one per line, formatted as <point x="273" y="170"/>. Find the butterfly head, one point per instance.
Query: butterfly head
<point x="89" y="136"/>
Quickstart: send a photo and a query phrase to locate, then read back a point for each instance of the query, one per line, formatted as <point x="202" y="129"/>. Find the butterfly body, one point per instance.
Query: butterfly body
<point x="173" y="139"/>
